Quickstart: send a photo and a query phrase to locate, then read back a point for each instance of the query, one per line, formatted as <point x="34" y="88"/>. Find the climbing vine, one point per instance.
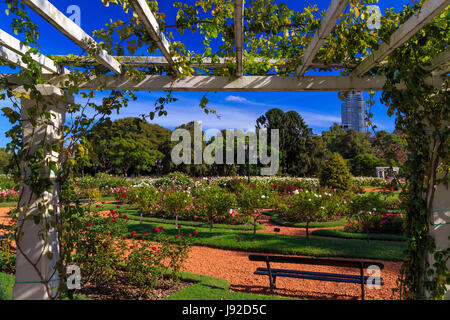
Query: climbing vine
<point x="275" y="39"/>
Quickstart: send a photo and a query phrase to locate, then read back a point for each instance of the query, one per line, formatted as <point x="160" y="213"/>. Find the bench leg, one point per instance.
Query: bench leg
<point x="362" y="282"/>
<point x="272" y="279"/>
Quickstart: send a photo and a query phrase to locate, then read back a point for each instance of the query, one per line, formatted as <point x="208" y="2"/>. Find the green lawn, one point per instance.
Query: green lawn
<point x="274" y="217"/>
<point x="8" y="204"/>
<point x="348" y="235"/>
<point x="282" y="244"/>
<point x="209" y="288"/>
<point x="203" y="288"/>
<point x="6" y="286"/>
<point x="133" y="214"/>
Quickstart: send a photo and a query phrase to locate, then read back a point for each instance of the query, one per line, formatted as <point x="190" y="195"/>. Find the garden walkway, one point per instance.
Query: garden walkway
<point x="235" y="267"/>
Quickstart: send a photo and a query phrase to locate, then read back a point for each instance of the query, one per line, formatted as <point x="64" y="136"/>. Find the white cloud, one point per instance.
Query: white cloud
<point x="237" y="99"/>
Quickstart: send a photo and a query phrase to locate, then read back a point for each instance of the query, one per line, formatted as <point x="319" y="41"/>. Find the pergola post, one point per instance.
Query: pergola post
<point x="38" y="251"/>
<point x="440" y="224"/>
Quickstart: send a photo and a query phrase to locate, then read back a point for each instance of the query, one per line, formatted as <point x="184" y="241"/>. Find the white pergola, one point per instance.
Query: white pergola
<point x="28" y="282"/>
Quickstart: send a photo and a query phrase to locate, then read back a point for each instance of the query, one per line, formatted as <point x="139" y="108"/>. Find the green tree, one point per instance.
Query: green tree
<point x="365" y="164"/>
<point x="5" y="160"/>
<point x="296" y="141"/>
<point x="390" y="146"/>
<point x="348" y="143"/>
<point x="335" y="174"/>
<point x="128" y="146"/>
<point x="192" y="169"/>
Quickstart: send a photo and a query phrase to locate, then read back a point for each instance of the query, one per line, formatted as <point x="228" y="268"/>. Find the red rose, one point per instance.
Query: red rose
<point x="160" y="228"/>
<point x="131" y="247"/>
<point x="155" y="248"/>
<point x="157" y="230"/>
<point x="176" y="237"/>
<point x="118" y="207"/>
<point x="195" y="232"/>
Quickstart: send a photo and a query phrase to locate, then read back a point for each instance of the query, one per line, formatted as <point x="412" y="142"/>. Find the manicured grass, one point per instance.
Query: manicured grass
<point x="133" y="214"/>
<point x="203" y="288"/>
<point x="349" y="235"/>
<point x="275" y="218"/>
<point x="6" y="286"/>
<point x="209" y="288"/>
<point x="282" y="244"/>
<point x="8" y="204"/>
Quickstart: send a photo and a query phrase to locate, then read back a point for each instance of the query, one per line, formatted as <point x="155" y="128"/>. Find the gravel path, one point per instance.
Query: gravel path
<point x="235" y="267"/>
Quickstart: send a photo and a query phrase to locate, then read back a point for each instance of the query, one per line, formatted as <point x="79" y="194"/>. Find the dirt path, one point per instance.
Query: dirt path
<point x="4" y="219"/>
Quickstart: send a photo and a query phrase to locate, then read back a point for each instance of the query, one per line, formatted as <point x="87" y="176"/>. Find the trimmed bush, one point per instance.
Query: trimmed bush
<point x="335" y="174"/>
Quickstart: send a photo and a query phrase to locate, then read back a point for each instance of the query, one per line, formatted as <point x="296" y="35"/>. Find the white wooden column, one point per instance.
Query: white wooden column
<point x="35" y="250"/>
<point x="440" y="224"/>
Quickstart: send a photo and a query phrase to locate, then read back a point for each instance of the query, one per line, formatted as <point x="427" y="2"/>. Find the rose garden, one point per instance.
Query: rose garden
<point x="93" y="208"/>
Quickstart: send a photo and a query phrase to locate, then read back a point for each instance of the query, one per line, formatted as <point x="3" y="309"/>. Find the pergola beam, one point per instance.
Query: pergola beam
<point x="418" y="20"/>
<point x="327" y="24"/>
<point x="150" y="61"/>
<point x="10" y="43"/>
<point x="440" y="64"/>
<point x="13" y="58"/>
<point x="146" y="15"/>
<point x="239" y="35"/>
<point x="222" y="83"/>
<point x="71" y="30"/>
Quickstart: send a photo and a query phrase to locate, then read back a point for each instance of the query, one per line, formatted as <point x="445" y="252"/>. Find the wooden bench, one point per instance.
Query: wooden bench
<point x="335" y="277"/>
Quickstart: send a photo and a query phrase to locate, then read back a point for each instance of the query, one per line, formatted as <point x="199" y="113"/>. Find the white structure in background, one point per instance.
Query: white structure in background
<point x="387" y="172"/>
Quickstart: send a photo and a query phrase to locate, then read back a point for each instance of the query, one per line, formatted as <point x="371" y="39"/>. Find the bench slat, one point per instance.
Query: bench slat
<point x="311" y="273"/>
<point x="309" y="277"/>
<point x="316" y="261"/>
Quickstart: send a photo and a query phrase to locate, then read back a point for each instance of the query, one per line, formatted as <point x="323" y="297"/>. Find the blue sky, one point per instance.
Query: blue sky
<point x="236" y="109"/>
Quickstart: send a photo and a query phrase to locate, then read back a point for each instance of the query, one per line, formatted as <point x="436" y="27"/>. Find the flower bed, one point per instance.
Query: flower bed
<point x="10" y="195"/>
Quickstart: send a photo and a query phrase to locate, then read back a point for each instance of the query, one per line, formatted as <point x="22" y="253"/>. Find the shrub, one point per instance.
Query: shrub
<point x="177" y="202"/>
<point x="174" y="179"/>
<point x="249" y="200"/>
<point x="217" y="203"/>
<point x="10" y="195"/>
<point x="145" y="199"/>
<point x="236" y="185"/>
<point x="366" y="209"/>
<point x="335" y="174"/>
<point x="305" y="206"/>
<point x="120" y="192"/>
<point x="94" y="195"/>
<point x="104" y="250"/>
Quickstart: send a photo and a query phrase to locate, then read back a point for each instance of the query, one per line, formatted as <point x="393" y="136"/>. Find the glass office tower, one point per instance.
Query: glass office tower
<point x="353" y="112"/>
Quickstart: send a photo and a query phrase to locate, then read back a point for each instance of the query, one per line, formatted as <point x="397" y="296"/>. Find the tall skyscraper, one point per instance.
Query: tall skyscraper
<point x="353" y="112"/>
